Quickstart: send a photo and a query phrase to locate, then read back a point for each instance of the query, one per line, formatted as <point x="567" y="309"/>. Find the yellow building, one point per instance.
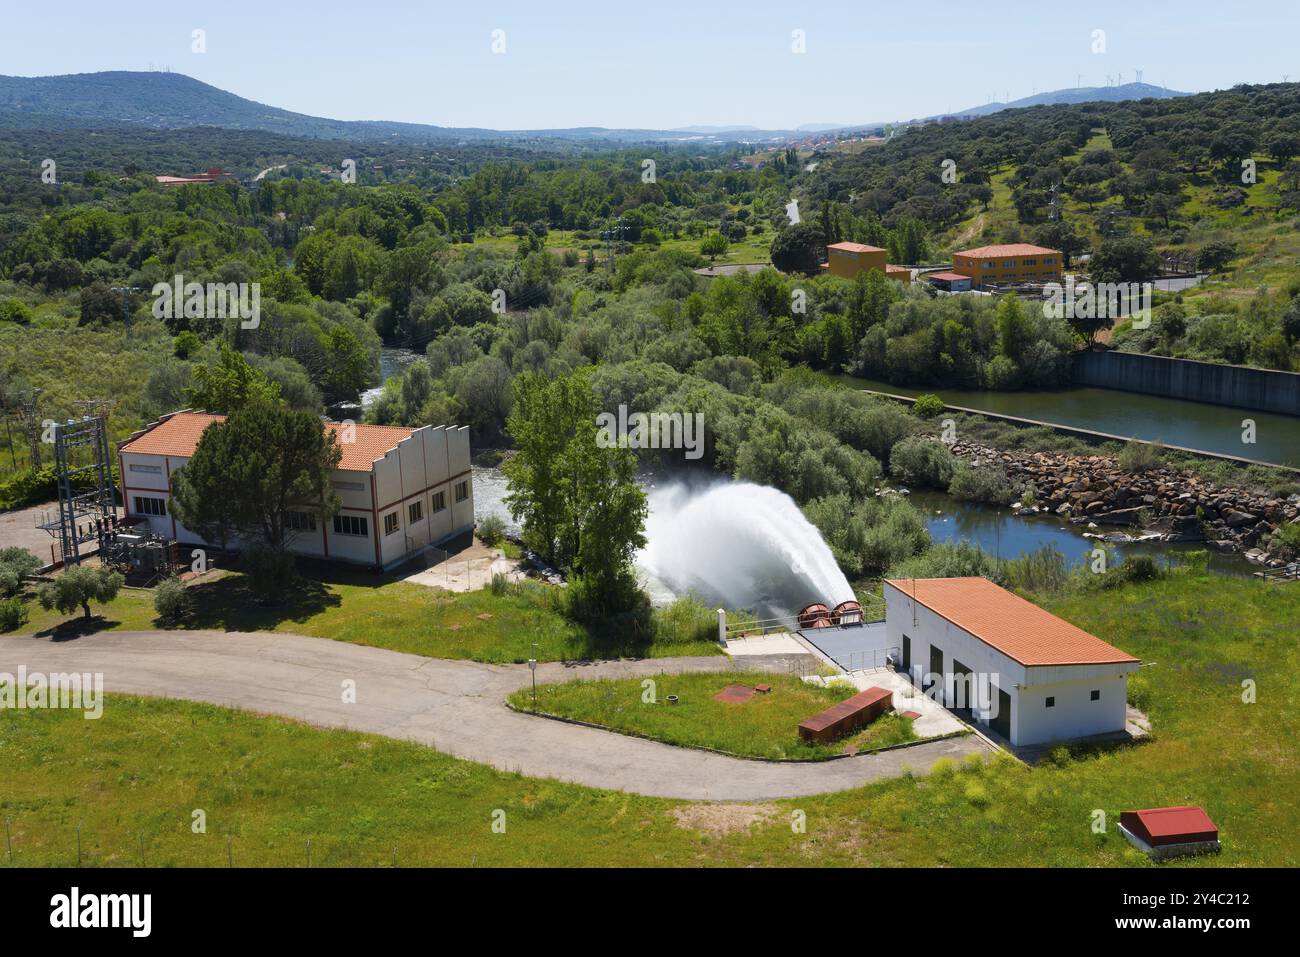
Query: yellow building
<point x="1010" y="263"/>
<point x="848" y="259"/>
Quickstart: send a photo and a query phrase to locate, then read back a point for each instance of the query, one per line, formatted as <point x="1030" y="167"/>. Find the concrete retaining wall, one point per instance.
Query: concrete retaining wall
<point x="1263" y="390"/>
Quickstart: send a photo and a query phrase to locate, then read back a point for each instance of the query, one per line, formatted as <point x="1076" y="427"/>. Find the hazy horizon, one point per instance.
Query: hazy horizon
<point x="667" y="67"/>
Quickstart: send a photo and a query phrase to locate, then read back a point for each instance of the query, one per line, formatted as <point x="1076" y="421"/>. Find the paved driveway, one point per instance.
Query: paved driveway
<point x="454" y="706"/>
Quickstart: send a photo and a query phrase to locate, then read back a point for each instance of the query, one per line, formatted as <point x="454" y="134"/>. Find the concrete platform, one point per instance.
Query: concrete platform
<point x="935" y="719"/>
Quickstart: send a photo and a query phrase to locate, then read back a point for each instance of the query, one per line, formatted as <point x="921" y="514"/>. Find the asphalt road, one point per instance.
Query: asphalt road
<point x="457" y="707"/>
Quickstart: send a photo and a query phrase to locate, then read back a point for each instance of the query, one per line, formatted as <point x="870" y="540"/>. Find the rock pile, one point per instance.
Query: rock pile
<point x="1168" y="503"/>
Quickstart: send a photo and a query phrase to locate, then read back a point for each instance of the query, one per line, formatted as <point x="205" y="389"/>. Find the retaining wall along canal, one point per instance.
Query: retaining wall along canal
<point x="1265" y="390"/>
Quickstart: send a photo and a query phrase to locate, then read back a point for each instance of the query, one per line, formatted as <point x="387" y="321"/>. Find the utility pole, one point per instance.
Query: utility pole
<point x="1054" y="202"/>
<point x="126" y="292"/>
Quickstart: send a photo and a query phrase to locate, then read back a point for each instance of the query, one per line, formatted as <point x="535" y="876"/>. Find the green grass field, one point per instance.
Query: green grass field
<point x="368" y="609"/>
<point x="765" y="726"/>
<point x="145" y="767"/>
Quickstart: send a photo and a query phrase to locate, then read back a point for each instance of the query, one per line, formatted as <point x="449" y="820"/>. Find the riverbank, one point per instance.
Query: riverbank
<point x="1162" y="502"/>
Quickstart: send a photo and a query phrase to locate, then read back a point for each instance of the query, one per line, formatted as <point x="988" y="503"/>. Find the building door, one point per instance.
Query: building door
<point x="962" y="686"/>
<point x="1001" y="722"/>
<point x="907" y="655"/>
<point x="935" y="675"/>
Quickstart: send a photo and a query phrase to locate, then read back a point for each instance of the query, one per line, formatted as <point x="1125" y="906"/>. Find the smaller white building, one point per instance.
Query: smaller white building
<point x="401" y="489"/>
<point x="1026" y="674"/>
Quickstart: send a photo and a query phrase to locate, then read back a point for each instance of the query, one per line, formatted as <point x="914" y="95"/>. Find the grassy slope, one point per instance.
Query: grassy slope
<point x="368" y="609"/>
<point x="765" y="726"/>
<point x="145" y="766"/>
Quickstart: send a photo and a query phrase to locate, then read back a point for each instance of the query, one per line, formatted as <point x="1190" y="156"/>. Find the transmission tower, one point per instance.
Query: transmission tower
<point x="127" y="292"/>
<point x="29" y="420"/>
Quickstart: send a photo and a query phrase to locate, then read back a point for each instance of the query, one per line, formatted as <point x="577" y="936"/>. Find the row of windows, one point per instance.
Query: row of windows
<point x="415" y="511"/>
<point x="343" y="524"/>
<point x="150" y="506"/>
<point x="1012" y="264"/>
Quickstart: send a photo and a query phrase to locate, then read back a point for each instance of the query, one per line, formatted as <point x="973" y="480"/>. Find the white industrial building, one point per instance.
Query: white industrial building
<point x="401" y="489"/>
<point x="1026" y="674"/>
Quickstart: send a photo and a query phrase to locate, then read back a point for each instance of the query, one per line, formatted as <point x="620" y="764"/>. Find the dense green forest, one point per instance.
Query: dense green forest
<point x="491" y="261"/>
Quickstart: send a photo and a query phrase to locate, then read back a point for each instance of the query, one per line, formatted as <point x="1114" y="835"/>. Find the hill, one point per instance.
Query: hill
<point x="1082" y="94"/>
<point x="174" y="101"/>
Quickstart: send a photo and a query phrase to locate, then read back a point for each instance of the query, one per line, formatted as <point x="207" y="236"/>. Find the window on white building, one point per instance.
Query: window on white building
<point x="351" y="525"/>
<point x="415" y="511"/>
<point x="1095" y="695"/>
<point x="390" y="523"/>
<point x="439" y="501"/>
<point x="1051" y="702"/>
<point x="462" y="491"/>
<point x="150" y="506"/>
<point x="300" y="521"/>
<point x="148" y="469"/>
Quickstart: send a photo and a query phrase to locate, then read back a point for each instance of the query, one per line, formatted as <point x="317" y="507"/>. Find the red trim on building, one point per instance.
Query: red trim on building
<point x="374" y="521"/>
<point x="167" y="464"/>
<point x="446" y="481"/>
<point x="121" y="473"/>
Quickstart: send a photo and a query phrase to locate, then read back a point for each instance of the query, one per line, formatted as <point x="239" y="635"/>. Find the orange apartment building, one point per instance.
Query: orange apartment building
<point x="846" y="260"/>
<point x="1011" y="263"/>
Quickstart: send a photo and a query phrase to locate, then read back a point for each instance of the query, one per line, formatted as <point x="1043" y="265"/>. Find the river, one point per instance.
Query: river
<point x="1193" y="425"/>
<point x="997" y="531"/>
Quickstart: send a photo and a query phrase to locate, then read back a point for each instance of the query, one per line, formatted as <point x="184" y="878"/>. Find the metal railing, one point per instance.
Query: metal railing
<point x="1287" y="573"/>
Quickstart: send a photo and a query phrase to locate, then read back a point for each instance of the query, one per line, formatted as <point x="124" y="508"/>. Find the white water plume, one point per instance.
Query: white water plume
<point x="737" y="545"/>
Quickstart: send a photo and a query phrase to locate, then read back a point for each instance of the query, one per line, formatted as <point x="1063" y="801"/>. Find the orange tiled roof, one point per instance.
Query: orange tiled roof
<point x="179" y="436"/>
<point x="1016" y="627"/>
<point x="1009" y="249"/>
<point x="855" y="248"/>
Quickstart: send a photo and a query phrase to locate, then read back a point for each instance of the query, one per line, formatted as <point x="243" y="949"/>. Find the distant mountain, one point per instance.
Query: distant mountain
<point x="175" y="101"/>
<point x="1079" y="94"/>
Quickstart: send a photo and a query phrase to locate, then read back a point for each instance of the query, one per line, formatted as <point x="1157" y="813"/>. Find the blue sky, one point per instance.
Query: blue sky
<point x="654" y="64"/>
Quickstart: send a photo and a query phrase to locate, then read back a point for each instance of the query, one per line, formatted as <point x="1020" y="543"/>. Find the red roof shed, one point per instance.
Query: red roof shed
<point x="1170" y="825"/>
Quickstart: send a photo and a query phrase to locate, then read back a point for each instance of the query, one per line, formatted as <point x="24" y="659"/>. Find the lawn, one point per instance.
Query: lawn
<point x="335" y="602"/>
<point x="145" y="766"/>
<point x="765" y="726"/>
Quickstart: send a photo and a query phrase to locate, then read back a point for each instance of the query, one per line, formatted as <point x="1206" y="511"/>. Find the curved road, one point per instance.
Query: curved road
<point x="455" y="706"/>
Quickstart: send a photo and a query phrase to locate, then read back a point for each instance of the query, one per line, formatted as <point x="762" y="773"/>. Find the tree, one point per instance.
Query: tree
<point x="229" y="383"/>
<point x="1063" y="236"/>
<point x="713" y="245"/>
<point x="1126" y="259"/>
<point x="798" y="248"/>
<point x="78" y="587"/>
<point x="1014" y="330"/>
<point x="576" y="496"/>
<point x="248" y="471"/>
<point x="1215" y="255"/>
<point x="347" y="364"/>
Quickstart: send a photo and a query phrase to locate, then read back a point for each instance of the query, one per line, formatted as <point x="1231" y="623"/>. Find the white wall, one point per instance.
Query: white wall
<point x="1073" y="715"/>
<point x="429" y="461"/>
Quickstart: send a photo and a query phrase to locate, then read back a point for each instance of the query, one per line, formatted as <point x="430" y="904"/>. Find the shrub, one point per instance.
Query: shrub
<point x="1285" y="541"/>
<point x="949" y="560"/>
<point x="171" y="600"/>
<point x="13" y="613"/>
<point x="919" y="461"/>
<point x="78" y="586"/>
<point x="685" y="620"/>
<point x="928" y="405"/>
<point x="1138" y="457"/>
<point x="16" y="564"/>
<point x="983" y="483"/>
<point x="492" y="531"/>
